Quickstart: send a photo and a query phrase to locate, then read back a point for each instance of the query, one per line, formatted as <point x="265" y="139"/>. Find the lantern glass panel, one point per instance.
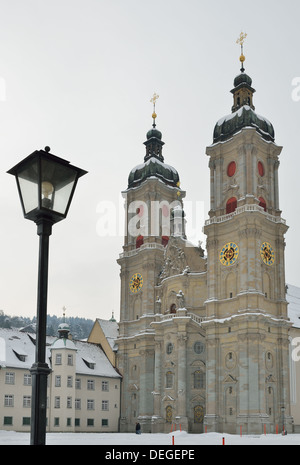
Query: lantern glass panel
<point x="28" y="185"/>
<point x="57" y="185"/>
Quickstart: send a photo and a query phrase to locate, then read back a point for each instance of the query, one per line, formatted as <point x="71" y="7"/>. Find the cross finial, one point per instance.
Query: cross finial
<point x="153" y="100"/>
<point x="240" y="41"/>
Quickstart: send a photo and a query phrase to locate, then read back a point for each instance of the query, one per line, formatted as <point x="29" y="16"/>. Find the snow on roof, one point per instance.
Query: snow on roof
<point x="293" y="298"/>
<point x="17" y="350"/>
<point x="110" y="330"/>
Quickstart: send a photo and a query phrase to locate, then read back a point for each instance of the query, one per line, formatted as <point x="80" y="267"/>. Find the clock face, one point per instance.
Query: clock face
<point x="267" y="253"/>
<point x="136" y="283"/>
<point x="229" y="254"/>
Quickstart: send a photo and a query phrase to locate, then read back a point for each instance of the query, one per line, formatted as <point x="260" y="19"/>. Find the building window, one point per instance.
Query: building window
<point x="56" y="421"/>
<point x="139" y="241"/>
<point x="199" y="347"/>
<point x="90" y="404"/>
<point x="90" y="385"/>
<point x="262" y="203"/>
<point x="26" y="401"/>
<point x="69" y="421"/>
<point x="105" y="405"/>
<point x="8" y="420"/>
<point x="69" y="402"/>
<point x="198" y="380"/>
<point x="77" y="383"/>
<point x="165" y="240"/>
<point x="8" y="400"/>
<point x="57" y="381"/>
<point x="104" y="422"/>
<point x="169" y="348"/>
<point x="261" y="169"/>
<point x="58" y="359"/>
<point x="105" y="385"/>
<point x="231" y="205"/>
<point x="77" y="404"/>
<point x="231" y="169"/>
<point x="70" y="359"/>
<point x="230" y="411"/>
<point x="27" y="380"/>
<point x="26" y="421"/>
<point x="173" y="308"/>
<point x="70" y="381"/>
<point x="9" y="377"/>
<point x="169" y="379"/>
<point x="77" y="421"/>
<point x="56" y="402"/>
<point x="90" y="422"/>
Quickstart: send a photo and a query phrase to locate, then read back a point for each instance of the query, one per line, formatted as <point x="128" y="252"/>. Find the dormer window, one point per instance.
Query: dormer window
<point x="89" y="363"/>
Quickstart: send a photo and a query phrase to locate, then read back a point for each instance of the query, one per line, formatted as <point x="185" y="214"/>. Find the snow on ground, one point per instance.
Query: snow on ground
<point x="165" y="440"/>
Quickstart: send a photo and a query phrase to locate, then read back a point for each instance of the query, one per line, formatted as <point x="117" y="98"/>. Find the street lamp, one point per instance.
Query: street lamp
<point x="46" y="184"/>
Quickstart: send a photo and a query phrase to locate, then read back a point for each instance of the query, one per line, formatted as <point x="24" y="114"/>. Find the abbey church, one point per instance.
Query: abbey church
<point x="204" y="335"/>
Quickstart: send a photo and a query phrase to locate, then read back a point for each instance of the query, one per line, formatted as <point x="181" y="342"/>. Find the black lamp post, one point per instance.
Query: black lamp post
<point x="46" y="184"/>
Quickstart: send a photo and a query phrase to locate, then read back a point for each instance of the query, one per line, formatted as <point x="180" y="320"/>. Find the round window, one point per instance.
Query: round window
<point x="231" y="169"/>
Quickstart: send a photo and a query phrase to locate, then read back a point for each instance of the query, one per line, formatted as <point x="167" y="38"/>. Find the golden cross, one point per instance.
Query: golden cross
<point x="153" y="100"/>
<point x="241" y="38"/>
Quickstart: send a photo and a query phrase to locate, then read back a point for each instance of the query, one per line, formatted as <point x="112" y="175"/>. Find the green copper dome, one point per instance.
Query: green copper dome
<point x="153" y="165"/>
<point x="244" y="117"/>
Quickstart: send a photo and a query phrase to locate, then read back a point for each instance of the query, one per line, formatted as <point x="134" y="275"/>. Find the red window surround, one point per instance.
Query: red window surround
<point x="231" y="169"/>
<point x="262" y="203"/>
<point x="231" y="205"/>
<point x="139" y="241"/>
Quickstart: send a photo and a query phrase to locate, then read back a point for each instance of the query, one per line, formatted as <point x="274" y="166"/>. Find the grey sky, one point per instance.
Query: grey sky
<point x="79" y="76"/>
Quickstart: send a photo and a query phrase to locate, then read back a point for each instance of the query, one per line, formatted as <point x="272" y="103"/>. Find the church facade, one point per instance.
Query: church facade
<point x="204" y="336"/>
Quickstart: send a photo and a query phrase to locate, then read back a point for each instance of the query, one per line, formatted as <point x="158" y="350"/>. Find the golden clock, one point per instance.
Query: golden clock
<point x="267" y="253"/>
<point x="229" y="254"/>
<point x="136" y="283"/>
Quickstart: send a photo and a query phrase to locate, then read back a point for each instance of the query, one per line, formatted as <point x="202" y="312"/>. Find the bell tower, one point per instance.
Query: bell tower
<point x="152" y="194"/>
<point x="246" y="325"/>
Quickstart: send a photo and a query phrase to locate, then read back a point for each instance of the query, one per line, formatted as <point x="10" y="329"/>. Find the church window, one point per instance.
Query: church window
<point x="230" y="411"/>
<point x="198" y="380"/>
<point x="164" y="240"/>
<point x="230" y="389"/>
<point x="231" y="169"/>
<point x="173" y="308"/>
<point x="169" y="348"/>
<point x="231" y="205"/>
<point x="139" y="241"/>
<point x="199" y="347"/>
<point x="169" y="379"/>
<point x="262" y="203"/>
<point x="261" y="169"/>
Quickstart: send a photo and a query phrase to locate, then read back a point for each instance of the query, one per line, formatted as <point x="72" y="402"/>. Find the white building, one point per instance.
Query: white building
<point x="83" y="387"/>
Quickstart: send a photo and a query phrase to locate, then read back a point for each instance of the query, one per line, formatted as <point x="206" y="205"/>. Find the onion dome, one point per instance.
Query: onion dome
<point x="153" y="165"/>
<point x="63" y="340"/>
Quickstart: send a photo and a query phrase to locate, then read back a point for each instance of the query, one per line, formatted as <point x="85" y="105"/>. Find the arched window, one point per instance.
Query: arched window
<point x="262" y="203"/>
<point x="173" y="308"/>
<point x="164" y="240"/>
<point x="139" y="241"/>
<point x="231" y="205"/>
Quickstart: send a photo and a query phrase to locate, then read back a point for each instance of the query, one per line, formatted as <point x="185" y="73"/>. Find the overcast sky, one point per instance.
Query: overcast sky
<point x="78" y="75"/>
